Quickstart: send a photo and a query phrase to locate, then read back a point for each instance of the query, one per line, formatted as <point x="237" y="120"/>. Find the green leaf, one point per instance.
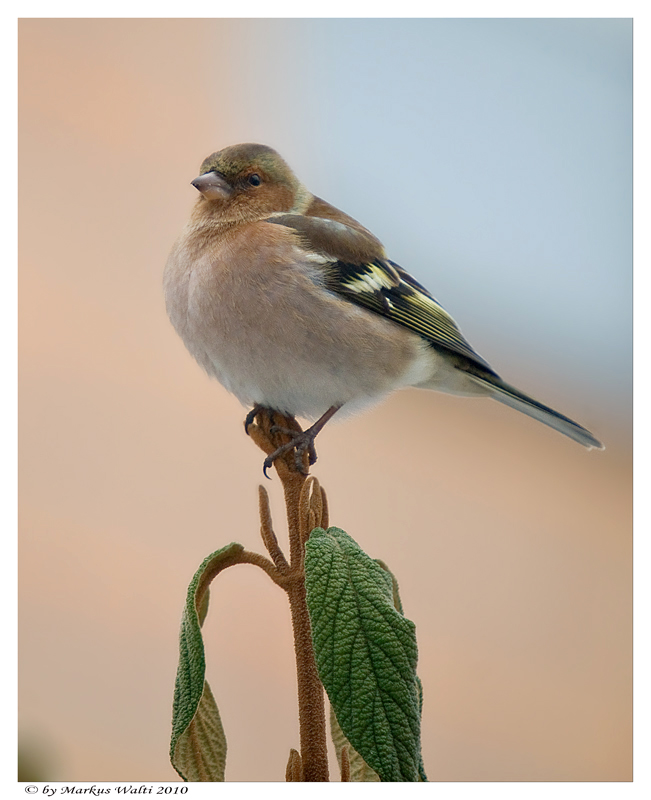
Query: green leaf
<point x="419" y="689"/>
<point x="199" y="753"/>
<point x="198" y="747"/>
<point x="366" y="654"/>
<point x="397" y="602"/>
<point x="359" y="769"/>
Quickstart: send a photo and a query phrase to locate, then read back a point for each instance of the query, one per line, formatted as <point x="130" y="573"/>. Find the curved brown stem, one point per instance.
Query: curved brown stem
<point x="249" y="557"/>
<point x="239" y="557"/>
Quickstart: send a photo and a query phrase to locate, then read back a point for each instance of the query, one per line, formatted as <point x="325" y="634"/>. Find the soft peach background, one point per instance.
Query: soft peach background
<point x="512" y="545"/>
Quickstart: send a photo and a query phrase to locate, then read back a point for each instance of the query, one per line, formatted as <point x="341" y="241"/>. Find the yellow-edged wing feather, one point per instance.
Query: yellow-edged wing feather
<point x="355" y="267"/>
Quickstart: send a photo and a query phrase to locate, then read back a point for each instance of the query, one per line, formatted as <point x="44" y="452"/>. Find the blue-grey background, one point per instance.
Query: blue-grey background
<point x="493" y="158"/>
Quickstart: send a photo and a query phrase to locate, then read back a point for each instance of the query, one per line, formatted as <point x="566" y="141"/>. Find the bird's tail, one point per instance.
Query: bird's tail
<point x="514" y="398"/>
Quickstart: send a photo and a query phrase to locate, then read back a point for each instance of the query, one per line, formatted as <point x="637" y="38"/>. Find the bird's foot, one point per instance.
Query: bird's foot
<point x="275" y="434"/>
<point x="300" y="441"/>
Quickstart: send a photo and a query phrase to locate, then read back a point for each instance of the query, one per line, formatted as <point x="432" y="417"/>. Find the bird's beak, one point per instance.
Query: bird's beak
<point x="212" y="186"/>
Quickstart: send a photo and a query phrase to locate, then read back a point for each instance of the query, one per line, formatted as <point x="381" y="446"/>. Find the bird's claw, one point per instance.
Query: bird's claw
<point x="250" y="417"/>
<point x="301" y="442"/>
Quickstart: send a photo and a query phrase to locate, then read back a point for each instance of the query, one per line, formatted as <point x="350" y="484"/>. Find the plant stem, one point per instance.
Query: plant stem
<point x="311" y="705"/>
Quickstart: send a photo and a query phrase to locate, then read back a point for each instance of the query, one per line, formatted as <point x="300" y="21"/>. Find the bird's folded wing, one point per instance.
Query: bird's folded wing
<point x="355" y="267"/>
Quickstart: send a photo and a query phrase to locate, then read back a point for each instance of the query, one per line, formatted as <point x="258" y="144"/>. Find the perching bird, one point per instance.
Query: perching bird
<point x="294" y="306"/>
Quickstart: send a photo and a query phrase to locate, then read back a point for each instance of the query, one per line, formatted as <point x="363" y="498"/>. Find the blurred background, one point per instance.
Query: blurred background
<point x="493" y="158"/>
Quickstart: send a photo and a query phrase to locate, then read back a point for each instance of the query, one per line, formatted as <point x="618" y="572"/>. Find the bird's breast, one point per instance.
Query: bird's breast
<point x="253" y="311"/>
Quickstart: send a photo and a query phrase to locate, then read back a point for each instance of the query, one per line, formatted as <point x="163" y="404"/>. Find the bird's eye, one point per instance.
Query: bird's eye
<point x="255" y="179"/>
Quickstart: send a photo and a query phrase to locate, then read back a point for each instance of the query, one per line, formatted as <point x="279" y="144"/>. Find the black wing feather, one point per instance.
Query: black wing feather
<point x="384" y="287"/>
<point x="359" y="271"/>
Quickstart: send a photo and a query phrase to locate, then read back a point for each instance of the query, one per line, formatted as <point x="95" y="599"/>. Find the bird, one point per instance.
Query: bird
<point x="295" y="307"/>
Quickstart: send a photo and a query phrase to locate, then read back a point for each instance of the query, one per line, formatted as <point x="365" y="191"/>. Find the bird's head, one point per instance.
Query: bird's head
<point x="248" y="182"/>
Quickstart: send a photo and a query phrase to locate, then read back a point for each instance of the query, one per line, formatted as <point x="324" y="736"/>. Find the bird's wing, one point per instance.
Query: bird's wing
<point x="341" y="239"/>
<point x="355" y="267"/>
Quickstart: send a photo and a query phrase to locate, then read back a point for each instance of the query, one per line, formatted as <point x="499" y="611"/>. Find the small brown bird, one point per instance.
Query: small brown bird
<point x="294" y="306"/>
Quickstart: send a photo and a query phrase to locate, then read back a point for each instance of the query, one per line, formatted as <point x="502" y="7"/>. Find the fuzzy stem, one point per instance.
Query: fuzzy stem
<point x="267" y="532"/>
<point x="311" y="706"/>
<point x="305" y="506"/>
<point x="294" y="771"/>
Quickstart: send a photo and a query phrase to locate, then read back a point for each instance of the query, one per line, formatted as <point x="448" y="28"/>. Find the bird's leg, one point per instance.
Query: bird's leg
<point x="301" y="441"/>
